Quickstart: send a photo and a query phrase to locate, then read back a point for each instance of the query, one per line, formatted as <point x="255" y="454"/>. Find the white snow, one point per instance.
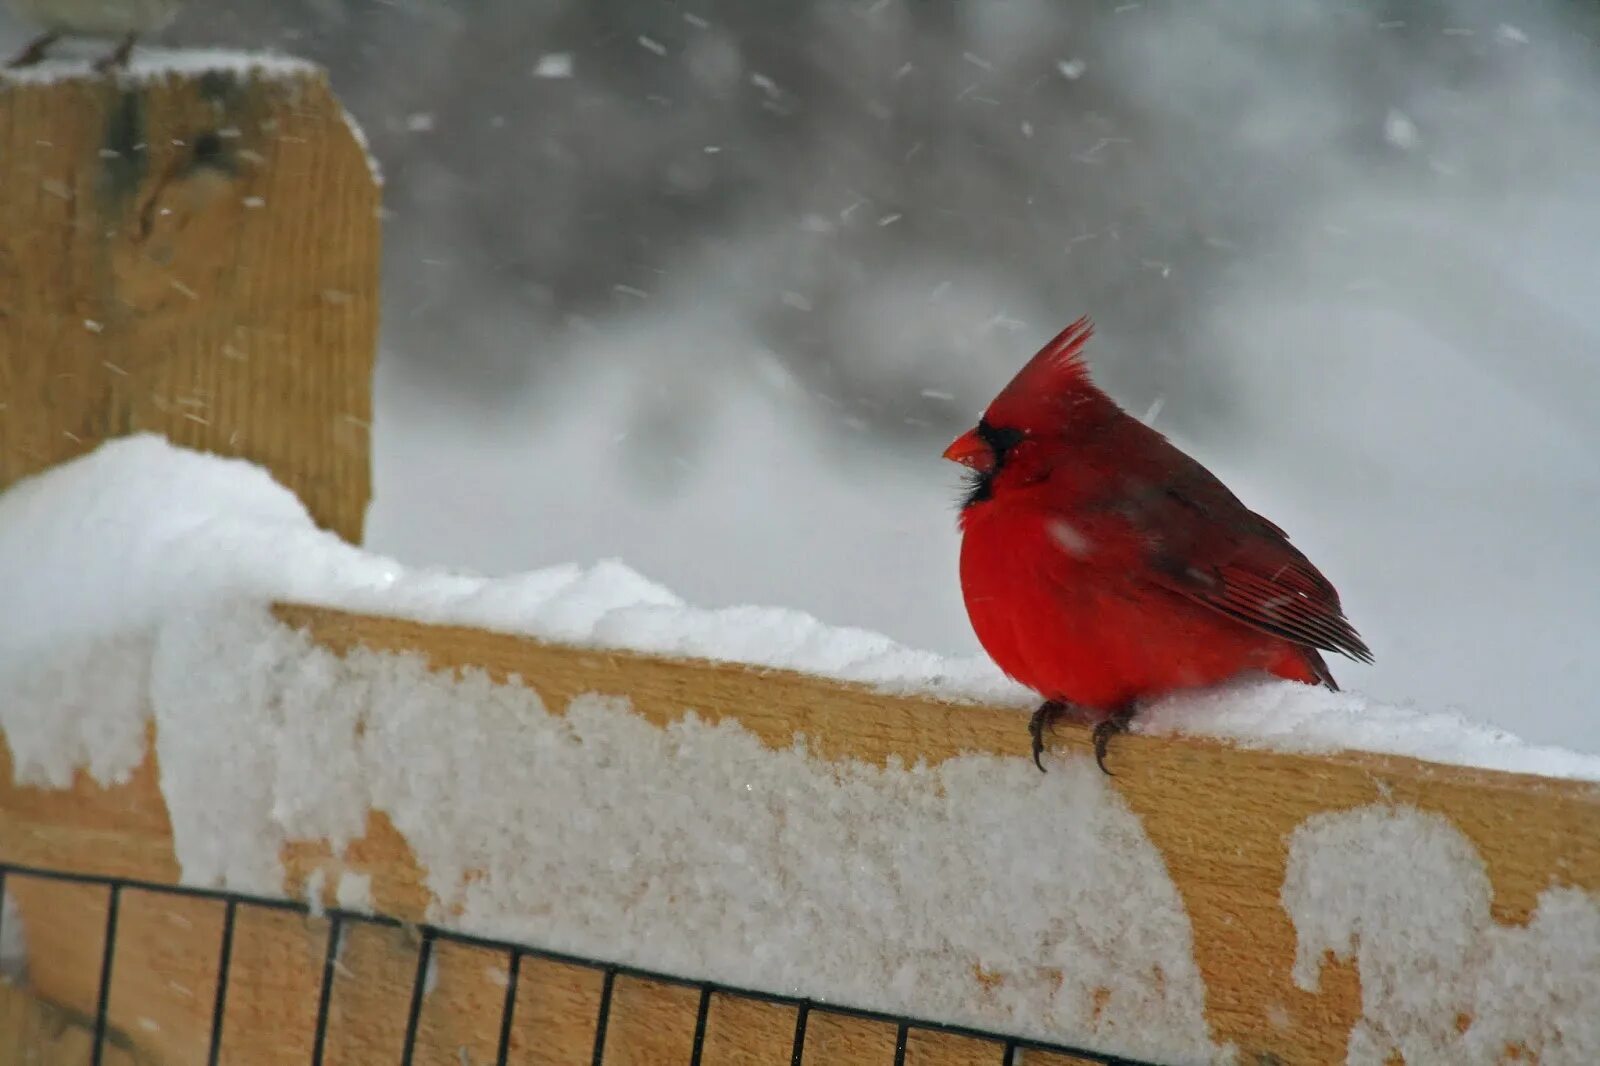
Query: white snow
<point x="1281" y="716"/>
<point x="1441" y="981"/>
<point x="316" y="884"/>
<point x="1399" y="130"/>
<point x="354" y="892"/>
<point x="374" y="167"/>
<point x="554" y="65"/>
<point x="154" y="64"/>
<point x="1072" y="69"/>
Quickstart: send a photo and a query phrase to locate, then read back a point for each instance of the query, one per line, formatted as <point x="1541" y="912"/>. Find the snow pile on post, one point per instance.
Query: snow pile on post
<point x="154" y="64"/>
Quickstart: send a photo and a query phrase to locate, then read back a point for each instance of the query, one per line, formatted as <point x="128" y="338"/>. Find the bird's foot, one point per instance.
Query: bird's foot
<point x="117" y="58"/>
<point x="1049" y="713"/>
<point x="1104" y="730"/>
<point x="34" y="53"/>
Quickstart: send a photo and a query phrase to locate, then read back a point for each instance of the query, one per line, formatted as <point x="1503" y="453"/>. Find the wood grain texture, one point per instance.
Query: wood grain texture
<point x="1220" y="816"/>
<point x="748" y="1032"/>
<point x="163" y="984"/>
<point x="555" y="1018"/>
<point x="193" y="256"/>
<point x="461" y="1012"/>
<point x="273" y="983"/>
<point x="944" y="1049"/>
<point x="832" y="1037"/>
<point x="1049" y="1058"/>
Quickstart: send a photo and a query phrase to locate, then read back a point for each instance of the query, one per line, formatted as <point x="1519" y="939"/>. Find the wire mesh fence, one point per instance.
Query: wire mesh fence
<point x="1008" y="1050"/>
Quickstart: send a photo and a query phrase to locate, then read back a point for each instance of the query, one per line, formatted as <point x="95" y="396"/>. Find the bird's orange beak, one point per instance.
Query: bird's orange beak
<point x="969" y="449"/>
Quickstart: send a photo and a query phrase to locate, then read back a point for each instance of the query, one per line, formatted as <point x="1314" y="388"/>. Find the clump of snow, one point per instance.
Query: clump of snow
<point x="553" y="65"/>
<point x="354" y="892"/>
<point x="1441" y="981"/>
<point x="96" y="719"/>
<point x="1283" y="716"/>
<point x="1399" y="130"/>
<point x="155" y="64"/>
<point x="316" y="884"/>
<point x="1071" y="69"/>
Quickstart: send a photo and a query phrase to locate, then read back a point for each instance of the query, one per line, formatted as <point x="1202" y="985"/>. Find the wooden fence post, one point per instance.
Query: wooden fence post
<point x="194" y="254"/>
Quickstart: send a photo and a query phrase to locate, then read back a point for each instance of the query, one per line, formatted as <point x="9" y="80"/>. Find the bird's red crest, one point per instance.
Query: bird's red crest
<point x="1056" y="372"/>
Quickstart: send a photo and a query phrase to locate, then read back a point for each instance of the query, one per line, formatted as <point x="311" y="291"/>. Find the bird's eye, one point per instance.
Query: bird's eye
<point x="1001" y="439"/>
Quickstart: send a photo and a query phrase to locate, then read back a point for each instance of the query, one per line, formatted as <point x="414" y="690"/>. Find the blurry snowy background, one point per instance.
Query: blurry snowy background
<point x="707" y="286"/>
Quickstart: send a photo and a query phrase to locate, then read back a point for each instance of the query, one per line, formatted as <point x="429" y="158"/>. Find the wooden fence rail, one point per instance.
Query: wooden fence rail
<point x="1221" y="818"/>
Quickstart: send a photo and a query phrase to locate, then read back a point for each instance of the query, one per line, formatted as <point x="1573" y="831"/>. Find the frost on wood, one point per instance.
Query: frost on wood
<point x="1406" y="895"/>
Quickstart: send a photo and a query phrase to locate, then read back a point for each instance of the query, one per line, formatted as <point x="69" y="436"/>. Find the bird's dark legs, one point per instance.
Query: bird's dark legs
<point x="35" y="52"/>
<point x="1052" y="711"/>
<point x="1104" y="730"/>
<point x="1047" y="716"/>
<point x="118" y="57"/>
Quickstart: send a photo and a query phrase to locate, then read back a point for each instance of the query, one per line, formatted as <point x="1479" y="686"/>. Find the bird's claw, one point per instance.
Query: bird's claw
<point x="1052" y="711"/>
<point x="1045" y="717"/>
<point x="1104" y="730"/>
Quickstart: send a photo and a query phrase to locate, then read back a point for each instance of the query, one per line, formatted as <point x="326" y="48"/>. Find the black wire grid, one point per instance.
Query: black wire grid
<point x="1008" y="1048"/>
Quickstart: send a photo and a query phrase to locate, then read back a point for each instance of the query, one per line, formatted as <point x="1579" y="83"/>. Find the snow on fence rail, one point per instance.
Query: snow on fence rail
<point x="198" y="688"/>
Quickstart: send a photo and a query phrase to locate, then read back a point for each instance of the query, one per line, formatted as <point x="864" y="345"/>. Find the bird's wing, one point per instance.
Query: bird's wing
<point x="1203" y="543"/>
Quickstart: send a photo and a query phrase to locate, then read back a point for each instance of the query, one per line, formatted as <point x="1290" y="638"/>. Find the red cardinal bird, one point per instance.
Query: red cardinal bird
<point x="1102" y="566"/>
